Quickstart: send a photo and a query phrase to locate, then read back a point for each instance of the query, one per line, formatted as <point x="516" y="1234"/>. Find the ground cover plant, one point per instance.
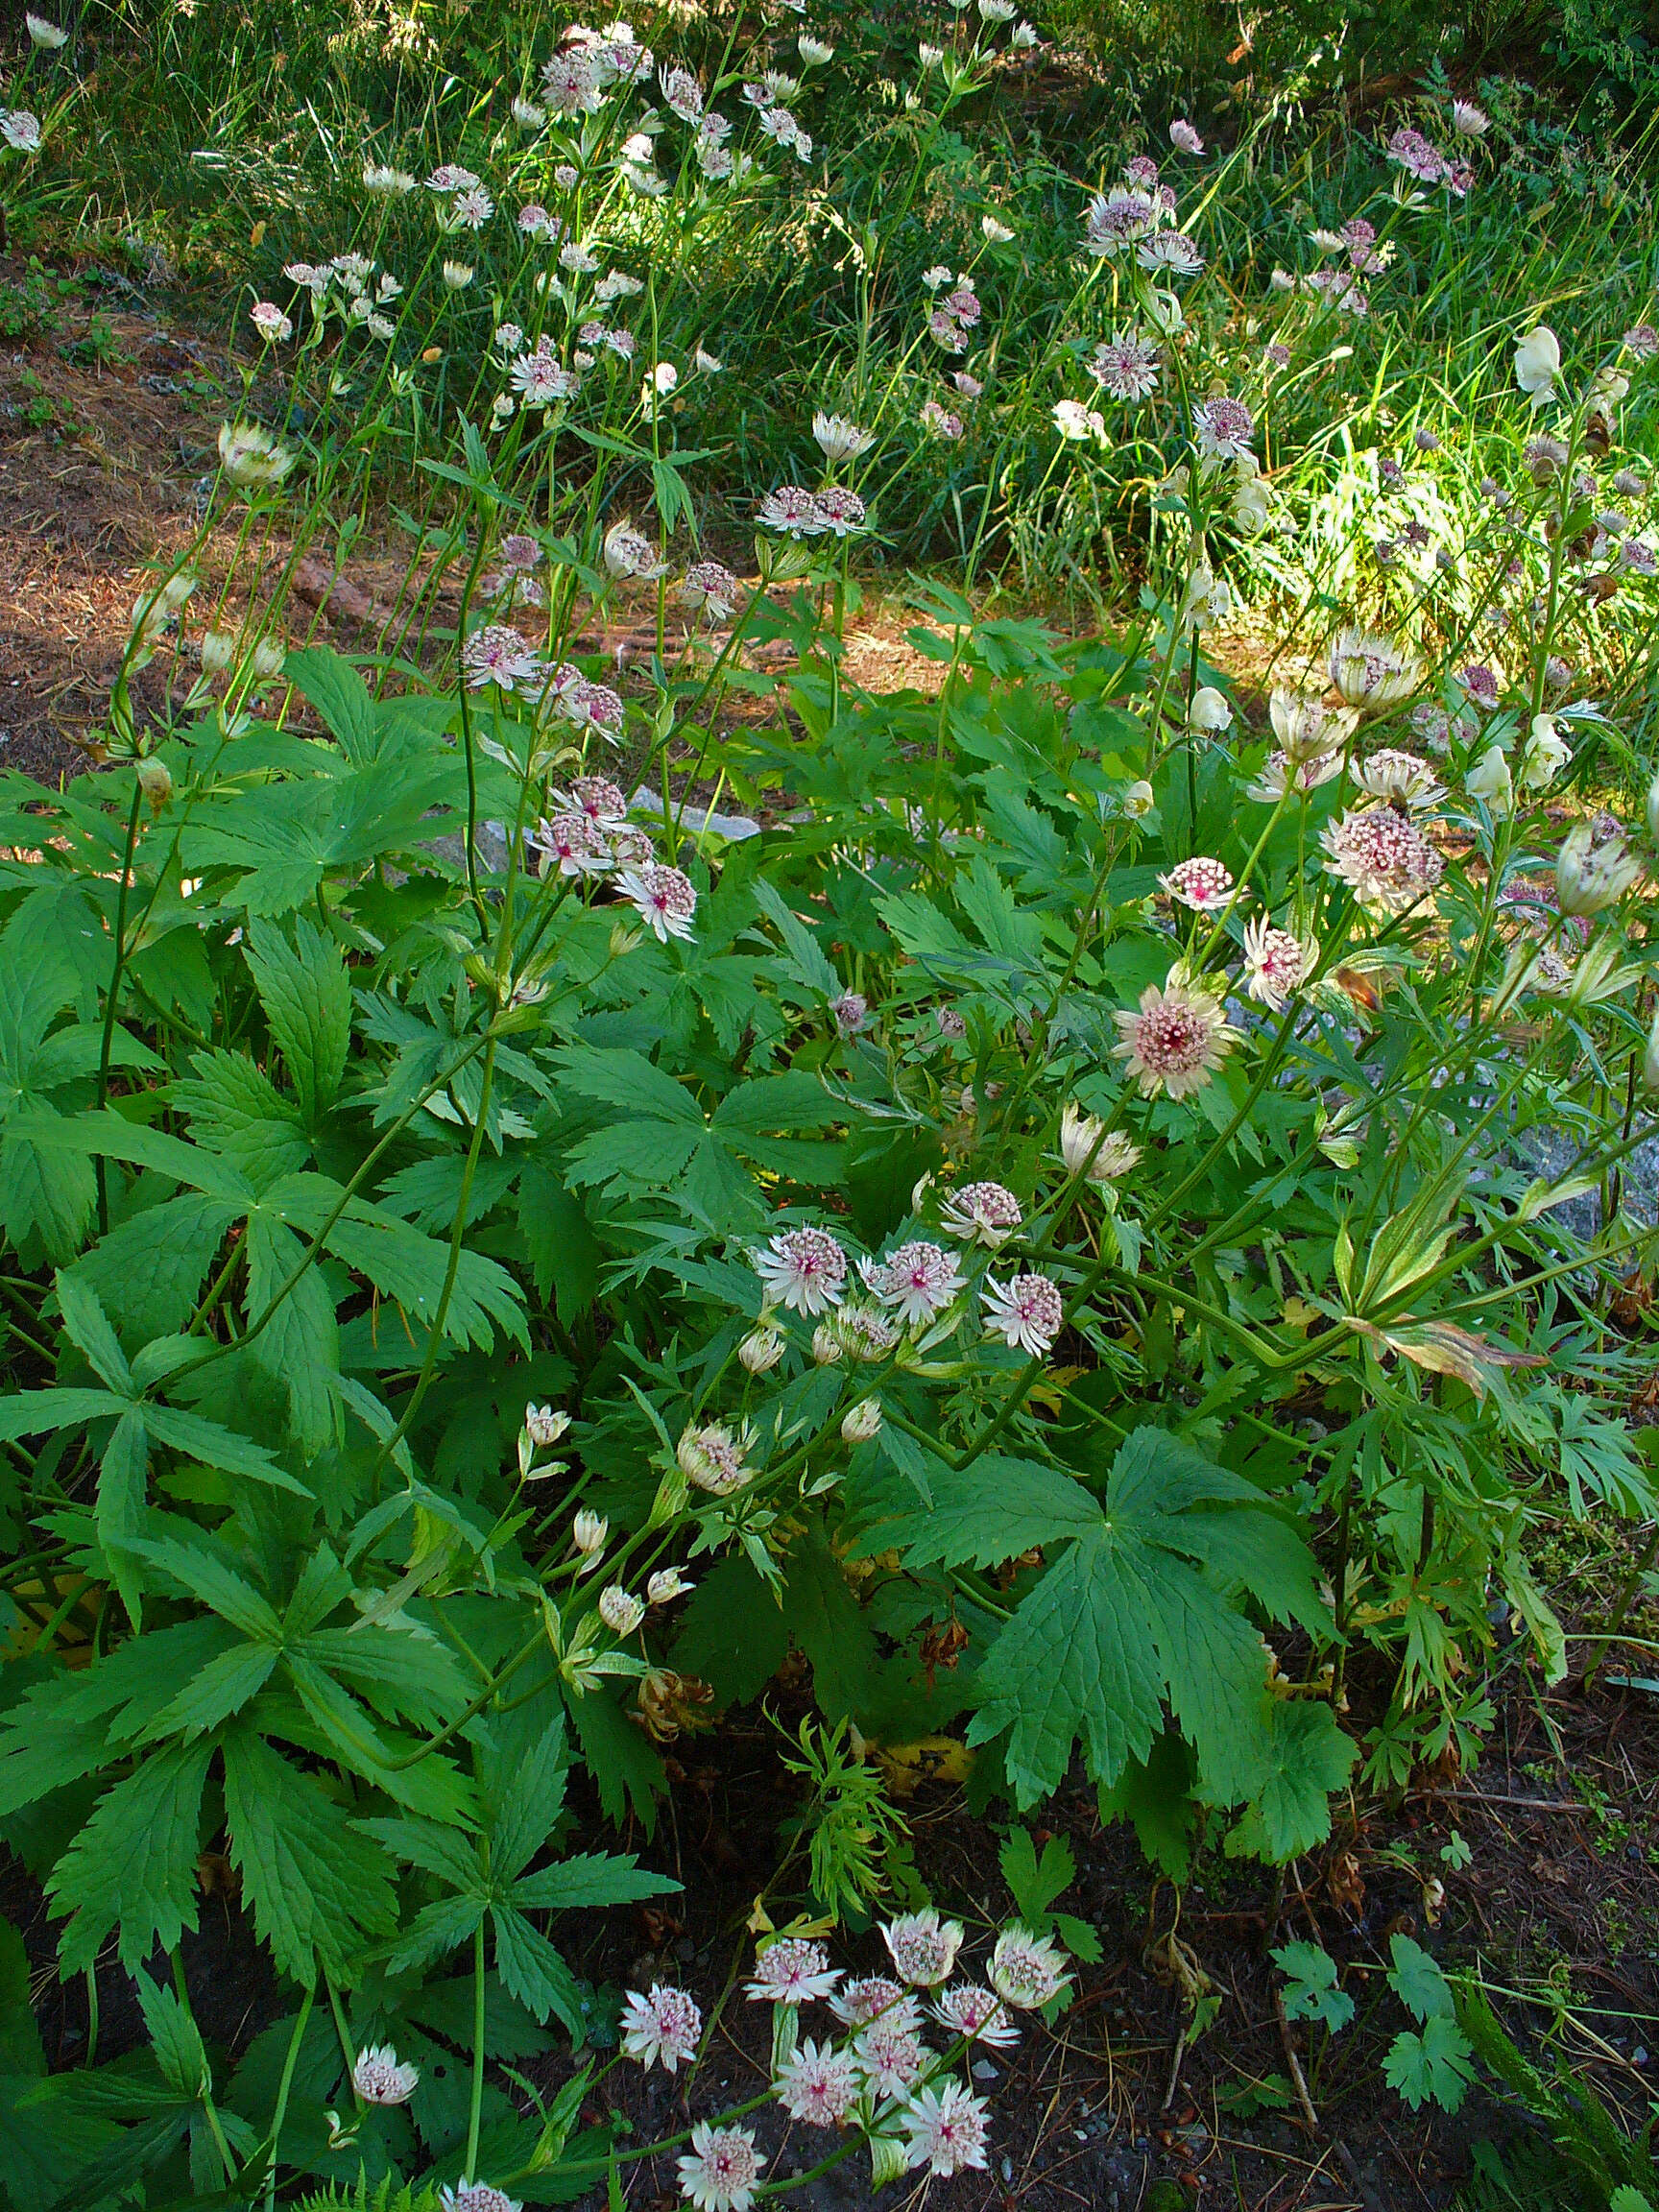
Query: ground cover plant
<point x="570" y="1169"/>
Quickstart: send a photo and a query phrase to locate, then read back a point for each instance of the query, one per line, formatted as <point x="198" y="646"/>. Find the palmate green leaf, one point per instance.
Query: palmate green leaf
<point x="531" y="1803"/>
<point x="1311" y="1985"/>
<point x="338" y="692"/>
<point x="319" y="1890"/>
<point x="806" y="959"/>
<point x="449" y="1857"/>
<point x="175" y="2039"/>
<point x="533" y="1971"/>
<point x="409" y="1269"/>
<point x="134" y="2153"/>
<point x="997" y="1509"/>
<point x="306" y="995"/>
<point x="1436" y="2067"/>
<point x="288" y="836"/>
<point x="1418" y="1980"/>
<point x="1077" y="1659"/>
<point x="434" y="1931"/>
<point x="1121" y="1621"/>
<point x="1308" y="1759"/>
<point x="627" y="1080"/>
<point x="590" y="1879"/>
<point x="149" y="1268"/>
<point x="44" y="1190"/>
<point x="236" y="1110"/>
<point x="123" y="1493"/>
<point x="87" y="1327"/>
<point x="227" y="1684"/>
<point x="133" y="1867"/>
<point x="207" y="1577"/>
<point x="72" y="1724"/>
<point x="299" y="1345"/>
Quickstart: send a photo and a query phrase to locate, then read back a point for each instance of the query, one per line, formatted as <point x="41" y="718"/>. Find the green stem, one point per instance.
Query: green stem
<point x="113" y="998"/>
<point x="475" y="2114"/>
<point x="284" y="2086"/>
<point x="457" y="1239"/>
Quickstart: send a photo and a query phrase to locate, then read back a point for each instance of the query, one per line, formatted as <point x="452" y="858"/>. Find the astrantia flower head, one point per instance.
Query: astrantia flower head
<point x="621" y="1610"/>
<point x="940" y="420"/>
<point x="709" y="586"/>
<point x="721" y="2170"/>
<point x="850" y="1012"/>
<point x="664" y="897"/>
<point x="45" y="33"/>
<point x="1079" y="423"/>
<point x="378" y="2076"/>
<point x="20" y="128"/>
<point x="861" y="1424"/>
<point x="1184" y="139"/>
<point x="873" y="1997"/>
<point x="917" y="1281"/>
<point x="1305" y="727"/>
<point x="804" y="1269"/>
<point x="1026" y="1971"/>
<point x="1401" y="777"/>
<point x="1468" y="120"/>
<point x="595" y="705"/>
<point x="1482" y="685"/>
<point x="1175" y="1039"/>
<point x="981" y="1214"/>
<point x="682" y="92"/>
<point x="629" y="552"/>
<point x="251" y="456"/>
<point x="712" y="1459"/>
<point x="838" y="438"/>
<point x="760" y="1350"/>
<point x="1415" y="153"/>
<point x="922" y="1947"/>
<point x="1086" y="1142"/>
<point x="1170" y="252"/>
<point x="977" y="2013"/>
<point x="1276" y="963"/>
<point x="1025" y="1311"/>
<point x="818" y="2086"/>
<point x="1595" y="866"/>
<point x="1384" y="854"/>
<point x="498" y="655"/>
<point x="1114" y="222"/>
<point x="792" y="1970"/>
<point x="841" y="511"/>
<point x="477" y="2197"/>
<point x="1201" y="884"/>
<point x="542" y="379"/>
<point x="1127" y="366"/>
<point x="1372" y="673"/>
<point x="791" y="509"/>
<point x="947" y="2129"/>
<point x="589" y="1531"/>
<point x="1642" y="340"/>
<point x="1537" y="363"/>
<point x="661" y="2027"/>
<point x="269" y="320"/>
<point x="861" y="1332"/>
<point x="890" y="2055"/>
<point x="1223" y="428"/>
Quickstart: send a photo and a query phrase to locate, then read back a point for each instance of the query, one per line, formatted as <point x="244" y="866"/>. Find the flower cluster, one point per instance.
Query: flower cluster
<point x="879" y="2080"/>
